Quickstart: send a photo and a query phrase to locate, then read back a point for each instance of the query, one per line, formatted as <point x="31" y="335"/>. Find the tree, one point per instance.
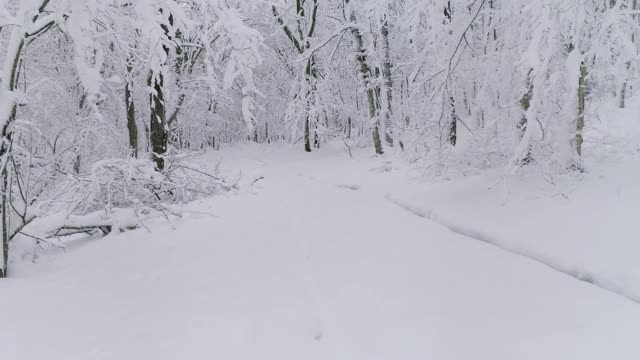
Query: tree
<point x="388" y="83"/>
<point x="301" y="40"/>
<point x="581" y="108"/>
<point x="26" y="30"/>
<point x="78" y="54"/>
<point x="365" y="74"/>
<point x="130" y="107"/>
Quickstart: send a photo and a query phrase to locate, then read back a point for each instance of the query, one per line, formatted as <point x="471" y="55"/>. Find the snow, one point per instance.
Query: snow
<point x="439" y="250"/>
<point x="580" y="224"/>
<point x="586" y="229"/>
<point x="315" y="262"/>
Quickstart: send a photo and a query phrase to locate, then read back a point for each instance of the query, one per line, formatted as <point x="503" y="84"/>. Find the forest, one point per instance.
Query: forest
<point x="118" y="114"/>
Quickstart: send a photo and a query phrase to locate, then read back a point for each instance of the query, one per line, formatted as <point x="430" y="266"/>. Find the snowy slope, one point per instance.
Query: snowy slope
<point x="305" y="267"/>
<point x="584" y="224"/>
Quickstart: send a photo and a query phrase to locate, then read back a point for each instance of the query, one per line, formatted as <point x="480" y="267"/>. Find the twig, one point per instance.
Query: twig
<point x="256" y="180"/>
<point x="347" y="145"/>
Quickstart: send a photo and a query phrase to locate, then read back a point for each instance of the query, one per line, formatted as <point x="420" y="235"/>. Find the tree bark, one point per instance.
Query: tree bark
<point x="581" y="103"/>
<point x="525" y="104"/>
<point x="388" y="84"/>
<point x="158" y="122"/>
<point x="623" y="91"/>
<point x="5" y="223"/>
<point x="5" y="147"/>
<point x="132" y="126"/>
<point x="158" y="126"/>
<point x="310" y="81"/>
<point x="453" y="123"/>
<point x="365" y="73"/>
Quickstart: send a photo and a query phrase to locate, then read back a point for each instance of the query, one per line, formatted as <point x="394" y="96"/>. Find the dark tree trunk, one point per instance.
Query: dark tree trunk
<point x="388" y="84"/>
<point x="307" y="140"/>
<point x="525" y="104"/>
<point x="5" y="147"/>
<point x="158" y="122"/>
<point x="581" y="103"/>
<point x="453" y="123"/>
<point x="132" y="127"/>
<point x="158" y="126"/>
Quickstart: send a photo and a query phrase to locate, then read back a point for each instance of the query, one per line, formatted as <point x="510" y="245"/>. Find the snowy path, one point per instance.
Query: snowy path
<point x="305" y="269"/>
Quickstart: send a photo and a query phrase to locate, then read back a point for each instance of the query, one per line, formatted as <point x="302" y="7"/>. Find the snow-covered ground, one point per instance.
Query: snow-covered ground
<point x="330" y="257"/>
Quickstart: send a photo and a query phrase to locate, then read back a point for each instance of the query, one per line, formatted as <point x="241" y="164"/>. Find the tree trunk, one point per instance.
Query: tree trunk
<point x="365" y="73"/>
<point x="158" y="122"/>
<point x="308" y="73"/>
<point x="302" y="42"/>
<point x="623" y="91"/>
<point x="452" y="135"/>
<point x="581" y="102"/>
<point x="388" y="84"/>
<point x="5" y="223"/>
<point x="132" y="126"/>
<point x="158" y="126"/>
<point x="453" y="123"/>
<point x="5" y="147"/>
<point x="377" y="143"/>
<point x="307" y="140"/>
<point x="525" y="104"/>
<point x="7" y="88"/>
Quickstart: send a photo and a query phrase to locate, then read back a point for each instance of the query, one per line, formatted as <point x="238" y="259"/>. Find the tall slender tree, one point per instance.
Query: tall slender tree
<point x="366" y="76"/>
